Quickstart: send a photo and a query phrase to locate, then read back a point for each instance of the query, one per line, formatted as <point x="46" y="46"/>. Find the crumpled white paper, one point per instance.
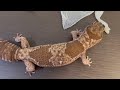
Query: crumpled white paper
<point x="70" y="18"/>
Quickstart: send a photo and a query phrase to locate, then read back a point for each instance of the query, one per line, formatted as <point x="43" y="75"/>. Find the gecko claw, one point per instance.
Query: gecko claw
<point x="79" y="30"/>
<point x="30" y="73"/>
<point x="19" y="35"/>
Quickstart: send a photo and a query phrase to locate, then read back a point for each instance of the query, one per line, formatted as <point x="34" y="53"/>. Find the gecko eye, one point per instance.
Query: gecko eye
<point x="78" y="35"/>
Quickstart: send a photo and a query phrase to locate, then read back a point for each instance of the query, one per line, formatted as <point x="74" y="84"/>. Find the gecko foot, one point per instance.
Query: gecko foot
<point x="30" y="67"/>
<point x="30" y="73"/>
<point x="17" y="38"/>
<point x="87" y="61"/>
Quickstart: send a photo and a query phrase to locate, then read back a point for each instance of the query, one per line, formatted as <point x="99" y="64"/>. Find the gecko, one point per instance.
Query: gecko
<point x="53" y="55"/>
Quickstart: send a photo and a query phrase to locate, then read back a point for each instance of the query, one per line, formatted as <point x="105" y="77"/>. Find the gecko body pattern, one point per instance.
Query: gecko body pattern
<point x="53" y="55"/>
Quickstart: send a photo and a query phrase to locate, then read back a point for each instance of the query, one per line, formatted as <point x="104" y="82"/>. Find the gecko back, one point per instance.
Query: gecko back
<point x="54" y="55"/>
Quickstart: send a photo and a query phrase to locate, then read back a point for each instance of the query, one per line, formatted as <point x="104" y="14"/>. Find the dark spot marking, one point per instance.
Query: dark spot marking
<point x="41" y="55"/>
<point x="74" y="48"/>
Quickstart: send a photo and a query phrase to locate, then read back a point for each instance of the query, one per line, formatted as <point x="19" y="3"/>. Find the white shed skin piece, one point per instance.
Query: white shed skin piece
<point x="70" y="18"/>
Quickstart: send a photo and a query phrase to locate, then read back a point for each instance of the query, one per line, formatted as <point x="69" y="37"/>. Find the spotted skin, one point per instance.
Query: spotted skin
<point x="56" y="55"/>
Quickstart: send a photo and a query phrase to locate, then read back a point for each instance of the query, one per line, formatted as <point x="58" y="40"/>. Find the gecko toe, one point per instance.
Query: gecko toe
<point x="30" y="72"/>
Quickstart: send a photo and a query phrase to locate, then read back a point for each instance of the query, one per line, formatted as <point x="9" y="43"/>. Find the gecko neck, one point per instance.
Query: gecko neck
<point x="88" y="39"/>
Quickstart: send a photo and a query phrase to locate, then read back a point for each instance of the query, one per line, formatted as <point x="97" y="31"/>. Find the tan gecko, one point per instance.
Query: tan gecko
<point x="53" y="55"/>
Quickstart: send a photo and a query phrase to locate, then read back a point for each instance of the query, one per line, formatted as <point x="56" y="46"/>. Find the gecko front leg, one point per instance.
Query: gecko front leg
<point x="75" y="34"/>
<point x="30" y="67"/>
<point x="85" y="59"/>
<point x="24" y="42"/>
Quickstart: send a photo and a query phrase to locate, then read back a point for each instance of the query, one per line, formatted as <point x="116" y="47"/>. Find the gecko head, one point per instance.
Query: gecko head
<point x="95" y="31"/>
<point x="97" y="28"/>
